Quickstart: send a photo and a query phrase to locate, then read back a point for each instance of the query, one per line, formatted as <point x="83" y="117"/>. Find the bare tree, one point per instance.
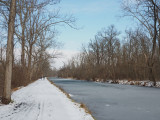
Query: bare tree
<point x="8" y="72"/>
<point x="106" y="58"/>
<point x="146" y="12"/>
<point x="35" y="30"/>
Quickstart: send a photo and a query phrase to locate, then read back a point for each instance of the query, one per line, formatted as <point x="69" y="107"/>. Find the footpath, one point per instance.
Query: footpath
<point x="42" y="101"/>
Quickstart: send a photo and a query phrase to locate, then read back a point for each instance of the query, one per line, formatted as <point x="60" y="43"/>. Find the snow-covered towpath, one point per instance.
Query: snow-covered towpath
<point x="42" y="101"/>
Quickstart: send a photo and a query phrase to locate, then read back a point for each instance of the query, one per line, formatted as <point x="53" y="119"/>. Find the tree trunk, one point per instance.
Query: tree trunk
<point x="6" y="98"/>
<point x="152" y="61"/>
<point x="151" y="73"/>
<point x="159" y="42"/>
<point x="23" y="49"/>
<point x="29" y="70"/>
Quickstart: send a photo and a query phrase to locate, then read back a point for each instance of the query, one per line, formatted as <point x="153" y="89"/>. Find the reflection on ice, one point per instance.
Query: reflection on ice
<point x="107" y="105"/>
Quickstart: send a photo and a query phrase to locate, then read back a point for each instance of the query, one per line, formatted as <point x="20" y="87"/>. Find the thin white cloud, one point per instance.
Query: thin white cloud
<point x="63" y="56"/>
<point x="66" y="55"/>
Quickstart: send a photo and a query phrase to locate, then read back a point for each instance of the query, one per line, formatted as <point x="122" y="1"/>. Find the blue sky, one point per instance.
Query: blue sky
<point x="92" y="16"/>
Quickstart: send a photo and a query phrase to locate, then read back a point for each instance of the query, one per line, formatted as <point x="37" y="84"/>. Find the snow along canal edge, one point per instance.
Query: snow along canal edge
<point x="42" y="101"/>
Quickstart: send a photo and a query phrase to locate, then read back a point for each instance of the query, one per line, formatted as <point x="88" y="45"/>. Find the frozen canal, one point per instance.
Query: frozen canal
<point x="114" y="102"/>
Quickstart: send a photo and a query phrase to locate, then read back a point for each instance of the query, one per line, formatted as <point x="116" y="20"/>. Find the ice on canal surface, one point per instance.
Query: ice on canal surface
<point x="113" y="101"/>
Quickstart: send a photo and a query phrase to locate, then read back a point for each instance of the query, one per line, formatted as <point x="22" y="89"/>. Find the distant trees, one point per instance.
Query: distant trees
<point x="136" y="57"/>
<point x="109" y="57"/>
<point x="98" y="59"/>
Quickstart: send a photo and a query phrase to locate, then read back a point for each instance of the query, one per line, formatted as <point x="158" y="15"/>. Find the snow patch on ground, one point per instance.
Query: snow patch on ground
<point x="71" y="95"/>
<point x="42" y="101"/>
<point x="146" y="83"/>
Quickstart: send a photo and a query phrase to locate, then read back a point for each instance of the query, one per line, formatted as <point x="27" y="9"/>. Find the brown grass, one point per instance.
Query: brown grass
<point x="82" y="105"/>
<point x="15" y="89"/>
